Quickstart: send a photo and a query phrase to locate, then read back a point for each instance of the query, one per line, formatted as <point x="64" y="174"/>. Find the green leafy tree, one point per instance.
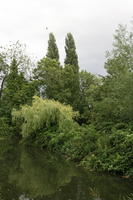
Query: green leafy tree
<point x="52" y="51"/>
<point x="89" y="85"/>
<point x="48" y="77"/>
<point x="15" y="86"/>
<point x="116" y="92"/>
<point x="44" y="114"/>
<point x="120" y="59"/>
<point x="71" y="61"/>
<point x="116" y="105"/>
<point x="4" y="70"/>
<point x="15" y="51"/>
<point x="70" y="49"/>
<point x="70" y="86"/>
<point x="17" y="90"/>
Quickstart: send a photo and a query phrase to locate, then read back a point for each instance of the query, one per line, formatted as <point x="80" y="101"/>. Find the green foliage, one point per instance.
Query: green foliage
<point x="44" y="114"/>
<point x="4" y="127"/>
<point x="81" y="142"/>
<point x="71" y="55"/>
<point x="104" y="103"/>
<point x="71" y="61"/>
<point x="88" y="86"/>
<point x="15" y="88"/>
<point x="14" y="84"/>
<point x="114" y="104"/>
<point x="114" y="153"/>
<point x="12" y="52"/>
<point x="70" y="86"/>
<point x="52" y="48"/>
<point x="48" y="75"/>
<point x="120" y="59"/>
<point x="55" y="82"/>
<point x="4" y="68"/>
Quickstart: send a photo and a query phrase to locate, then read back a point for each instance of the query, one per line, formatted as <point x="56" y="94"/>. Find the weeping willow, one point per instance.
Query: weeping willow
<point x="43" y="113"/>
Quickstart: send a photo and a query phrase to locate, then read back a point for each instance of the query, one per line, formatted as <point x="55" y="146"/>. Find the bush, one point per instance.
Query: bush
<point x="114" y="153"/>
<point x="81" y="142"/>
<point x="4" y="127"/>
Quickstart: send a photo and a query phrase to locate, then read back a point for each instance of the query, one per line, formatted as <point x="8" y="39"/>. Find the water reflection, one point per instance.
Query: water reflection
<point x="31" y="174"/>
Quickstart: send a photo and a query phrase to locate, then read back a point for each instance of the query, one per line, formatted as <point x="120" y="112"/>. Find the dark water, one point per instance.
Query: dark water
<point x="31" y="174"/>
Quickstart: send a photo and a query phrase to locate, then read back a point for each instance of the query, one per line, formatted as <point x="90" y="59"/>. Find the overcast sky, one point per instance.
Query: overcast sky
<point x="92" y="23"/>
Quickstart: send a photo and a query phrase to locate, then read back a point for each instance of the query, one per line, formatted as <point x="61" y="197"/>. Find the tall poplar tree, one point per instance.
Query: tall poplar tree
<point x="70" y="49"/>
<point x="52" y="51"/>
<point x="71" y="61"/>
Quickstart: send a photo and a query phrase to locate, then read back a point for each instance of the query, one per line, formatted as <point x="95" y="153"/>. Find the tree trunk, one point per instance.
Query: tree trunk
<point x="1" y="88"/>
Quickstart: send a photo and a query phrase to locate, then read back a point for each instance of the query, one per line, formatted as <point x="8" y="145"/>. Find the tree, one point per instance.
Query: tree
<point x="4" y="70"/>
<point x="71" y="61"/>
<point x="116" y="91"/>
<point x="52" y="51"/>
<point x="48" y="76"/>
<point x="44" y="114"/>
<point x="70" y="49"/>
<point x="120" y="59"/>
<point x="17" y="91"/>
<point x="70" y="81"/>
<point x="17" y="52"/>
<point x="89" y="84"/>
<point x="15" y="86"/>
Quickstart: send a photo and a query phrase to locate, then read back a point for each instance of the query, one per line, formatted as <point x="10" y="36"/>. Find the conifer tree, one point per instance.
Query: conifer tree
<point x="52" y="51"/>
<point x="17" y="89"/>
<point x="70" y="49"/>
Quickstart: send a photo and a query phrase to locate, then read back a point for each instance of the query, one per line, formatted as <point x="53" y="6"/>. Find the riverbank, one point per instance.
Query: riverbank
<point x="51" y="125"/>
<point x="111" y="153"/>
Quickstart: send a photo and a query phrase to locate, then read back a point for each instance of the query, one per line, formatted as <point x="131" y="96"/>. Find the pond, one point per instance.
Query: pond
<point x="33" y="174"/>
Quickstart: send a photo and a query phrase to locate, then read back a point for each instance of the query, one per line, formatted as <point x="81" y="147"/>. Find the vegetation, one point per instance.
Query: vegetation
<point x="44" y="114"/>
<point x="71" y="61"/>
<point x="88" y="119"/>
<point x="52" y="48"/>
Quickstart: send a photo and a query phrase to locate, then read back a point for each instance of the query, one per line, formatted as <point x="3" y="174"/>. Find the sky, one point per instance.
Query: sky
<point x="92" y="23"/>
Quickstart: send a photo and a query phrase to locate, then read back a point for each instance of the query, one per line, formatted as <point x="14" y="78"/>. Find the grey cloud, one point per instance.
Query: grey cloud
<point x="91" y="22"/>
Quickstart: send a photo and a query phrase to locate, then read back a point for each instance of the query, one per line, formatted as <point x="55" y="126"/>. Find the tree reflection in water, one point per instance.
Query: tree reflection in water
<point x="31" y="174"/>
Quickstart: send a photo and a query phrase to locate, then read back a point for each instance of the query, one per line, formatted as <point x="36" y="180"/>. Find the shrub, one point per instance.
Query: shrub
<point x="4" y="127"/>
<point x="114" y="153"/>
